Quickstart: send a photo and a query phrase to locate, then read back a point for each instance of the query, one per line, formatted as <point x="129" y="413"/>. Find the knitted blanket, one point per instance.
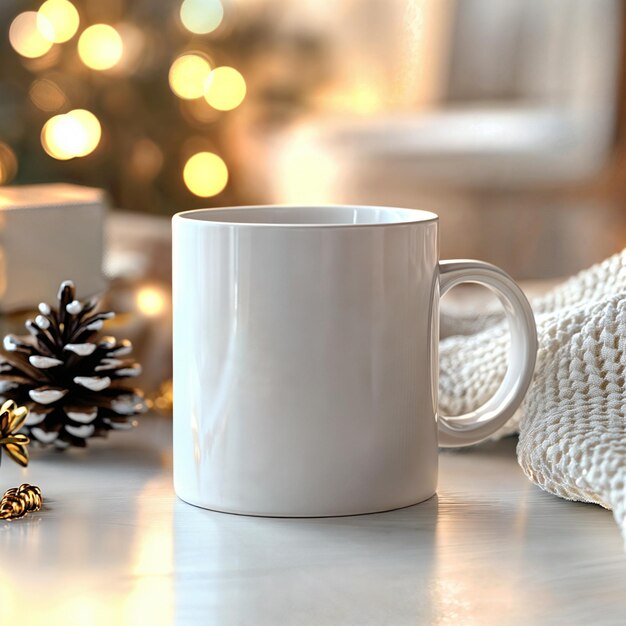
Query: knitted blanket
<point x="572" y="424"/>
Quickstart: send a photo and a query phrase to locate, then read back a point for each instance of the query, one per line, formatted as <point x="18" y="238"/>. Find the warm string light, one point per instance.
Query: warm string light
<point x="63" y="17"/>
<point x="205" y="174"/>
<point x="151" y="301"/>
<point x="188" y="76"/>
<point x="8" y="164"/>
<point x="100" y="47"/>
<point x="225" y="88"/>
<point x="191" y="77"/>
<point x="74" y="134"/>
<point x="31" y="34"/>
<point x="201" y="16"/>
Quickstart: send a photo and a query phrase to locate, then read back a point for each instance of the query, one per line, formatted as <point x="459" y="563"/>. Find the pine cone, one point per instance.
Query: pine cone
<point x="68" y="376"/>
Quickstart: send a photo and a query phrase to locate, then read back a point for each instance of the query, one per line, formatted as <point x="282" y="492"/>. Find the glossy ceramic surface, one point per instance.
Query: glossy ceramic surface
<point x="305" y="359"/>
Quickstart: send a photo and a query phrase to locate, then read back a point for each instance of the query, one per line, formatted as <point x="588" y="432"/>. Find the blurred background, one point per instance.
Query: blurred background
<point x="505" y="118"/>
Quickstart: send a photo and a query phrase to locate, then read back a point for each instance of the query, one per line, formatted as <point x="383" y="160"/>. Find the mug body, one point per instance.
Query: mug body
<point x="305" y="359"/>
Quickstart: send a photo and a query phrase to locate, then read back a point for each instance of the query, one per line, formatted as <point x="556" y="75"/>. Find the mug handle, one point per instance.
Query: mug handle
<point x="472" y="427"/>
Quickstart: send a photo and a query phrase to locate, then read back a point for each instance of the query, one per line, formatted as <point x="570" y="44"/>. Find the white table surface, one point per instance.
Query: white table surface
<point x="114" y="547"/>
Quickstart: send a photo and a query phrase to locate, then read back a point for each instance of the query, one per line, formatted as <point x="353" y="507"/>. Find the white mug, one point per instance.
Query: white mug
<point x="305" y="358"/>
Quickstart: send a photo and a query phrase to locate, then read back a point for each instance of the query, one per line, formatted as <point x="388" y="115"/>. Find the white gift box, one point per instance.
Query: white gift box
<point x="49" y="233"/>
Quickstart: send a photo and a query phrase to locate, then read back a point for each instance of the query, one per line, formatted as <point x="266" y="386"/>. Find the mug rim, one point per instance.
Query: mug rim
<point x="399" y="215"/>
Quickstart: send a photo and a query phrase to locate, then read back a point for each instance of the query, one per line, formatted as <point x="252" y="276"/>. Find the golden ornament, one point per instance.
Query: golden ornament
<point x="12" y="418"/>
<point x="19" y="501"/>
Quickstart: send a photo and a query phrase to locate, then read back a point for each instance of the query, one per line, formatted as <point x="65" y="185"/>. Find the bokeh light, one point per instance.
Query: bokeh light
<point x="188" y="76"/>
<point x="150" y="301"/>
<point x="91" y="132"/>
<point x="201" y="16"/>
<point x="295" y="159"/>
<point x="205" y="174"/>
<point x="63" y="17"/>
<point x="225" y="88"/>
<point x="53" y="137"/>
<point x="100" y="47"/>
<point x="8" y="164"/>
<point x="146" y="159"/>
<point x="31" y="34"/>
<point x="134" y="48"/>
<point x="198" y="111"/>
<point x="47" y="95"/>
<point x="75" y="134"/>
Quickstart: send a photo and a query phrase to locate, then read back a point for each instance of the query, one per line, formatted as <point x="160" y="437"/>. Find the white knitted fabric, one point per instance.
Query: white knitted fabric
<point x="572" y="424"/>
